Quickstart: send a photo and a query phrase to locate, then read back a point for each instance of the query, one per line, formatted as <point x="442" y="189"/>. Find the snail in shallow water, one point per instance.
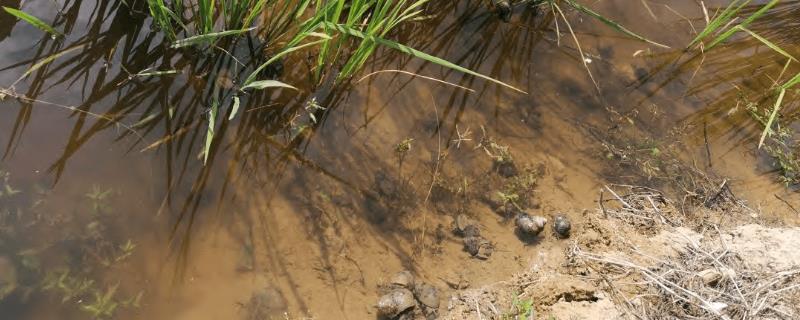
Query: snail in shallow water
<point x="531" y="225"/>
<point x="503" y="9"/>
<point x="427" y="295"/>
<point x="478" y="247"/>
<point x="561" y="226"/>
<point x="395" y="302"/>
<point x="403" y="279"/>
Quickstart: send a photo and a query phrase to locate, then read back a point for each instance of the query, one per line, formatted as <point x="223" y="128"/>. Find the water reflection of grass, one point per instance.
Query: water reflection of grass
<point x="131" y="77"/>
<point x="742" y="64"/>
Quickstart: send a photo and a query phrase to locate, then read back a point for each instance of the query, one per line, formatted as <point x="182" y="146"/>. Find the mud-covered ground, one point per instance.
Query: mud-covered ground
<point x="616" y="270"/>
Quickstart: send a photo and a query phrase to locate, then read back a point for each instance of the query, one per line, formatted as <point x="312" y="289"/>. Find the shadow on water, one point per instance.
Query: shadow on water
<point x="282" y="159"/>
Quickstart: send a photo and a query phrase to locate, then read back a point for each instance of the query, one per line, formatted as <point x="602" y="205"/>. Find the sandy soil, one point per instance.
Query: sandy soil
<point x="578" y="290"/>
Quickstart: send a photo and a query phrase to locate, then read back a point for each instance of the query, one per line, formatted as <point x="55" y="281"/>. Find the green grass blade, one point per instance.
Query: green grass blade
<point x="750" y="19"/>
<point x="235" y="108"/>
<point x="263" y="84"/>
<point x="206" y="38"/>
<point x="772" y="116"/>
<point x="36" y="22"/>
<point x="720" y="20"/>
<point x="157" y="73"/>
<point x="612" y="24"/>
<point x="792" y="82"/>
<point x="49" y="59"/>
<point x="254" y="74"/>
<point x="767" y="43"/>
<point x="415" y="53"/>
<point x="210" y="132"/>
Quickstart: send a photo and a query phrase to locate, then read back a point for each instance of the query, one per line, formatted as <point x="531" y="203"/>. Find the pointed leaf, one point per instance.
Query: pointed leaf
<point x="235" y="108"/>
<point x="36" y="22"/>
<point x="414" y="52"/>
<point x="206" y="38"/>
<point x="772" y="116"/>
<point x="263" y="84"/>
<point x="210" y="132"/>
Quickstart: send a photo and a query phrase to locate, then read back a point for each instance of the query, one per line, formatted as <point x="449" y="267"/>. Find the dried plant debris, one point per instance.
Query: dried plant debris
<point x="704" y="281"/>
<point x="648" y="209"/>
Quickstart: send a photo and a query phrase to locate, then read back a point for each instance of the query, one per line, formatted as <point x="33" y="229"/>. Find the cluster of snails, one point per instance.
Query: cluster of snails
<point x="406" y="296"/>
<point x="533" y="225"/>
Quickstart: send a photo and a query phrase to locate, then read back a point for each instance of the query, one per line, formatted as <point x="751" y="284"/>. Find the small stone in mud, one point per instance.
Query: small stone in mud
<point x="266" y="304"/>
<point x="478" y="247"/>
<point x="395" y="302"/>
<point x="530" y="225"/>
<point x="561" y="226"/>
<point x="403" y="279"/>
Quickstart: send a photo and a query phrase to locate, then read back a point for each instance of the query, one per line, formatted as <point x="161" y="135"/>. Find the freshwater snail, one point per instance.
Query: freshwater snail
<point x="503" y="9"/>
<point x="395" y="302"/>
<point x="561" y="226"/>
<point x="403" y="279"/>
<point x="531" y="225"/>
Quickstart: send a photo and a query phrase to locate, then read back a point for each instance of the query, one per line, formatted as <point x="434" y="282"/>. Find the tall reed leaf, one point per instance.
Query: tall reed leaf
<point x="263" y="84"/>
<point x="719" y="21"/>
<point x="254" y="74"/>
<point x="235" y="107"/>
<point x="792" y="82"/>
<point x="744" y="24"/>
<point x="36" y="22"/>
<point x="49" y="59"/>
<point x="413" y="52"/>
<point x="611" y="23"/>
<point x="766" y="42"/>
<point x="772" y="116"/>
<point x="212" y="117"/>
<point x="206" y="38"/>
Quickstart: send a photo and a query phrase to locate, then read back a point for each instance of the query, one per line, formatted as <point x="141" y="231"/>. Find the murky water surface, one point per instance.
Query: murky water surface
<point x="106" y="208"/>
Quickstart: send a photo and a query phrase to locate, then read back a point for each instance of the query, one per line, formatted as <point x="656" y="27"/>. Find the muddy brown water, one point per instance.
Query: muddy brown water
<point x="316" y="219"/>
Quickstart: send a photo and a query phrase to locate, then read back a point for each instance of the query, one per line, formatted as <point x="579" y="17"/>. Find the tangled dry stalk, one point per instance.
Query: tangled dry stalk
<point x="702" y="280"/>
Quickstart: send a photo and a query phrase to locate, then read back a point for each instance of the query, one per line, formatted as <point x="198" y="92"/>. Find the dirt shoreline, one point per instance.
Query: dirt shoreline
<point x="615" y="269"/>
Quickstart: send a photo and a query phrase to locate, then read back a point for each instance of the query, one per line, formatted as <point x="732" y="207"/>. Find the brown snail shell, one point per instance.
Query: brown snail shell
<point x="531" y="225"/>
<point x="395" y="302"/>
<point x="403" y="279"/>
<point x="561" y="226"/>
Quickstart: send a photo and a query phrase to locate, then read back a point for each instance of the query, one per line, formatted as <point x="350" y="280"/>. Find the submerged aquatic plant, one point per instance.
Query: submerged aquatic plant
<point x="65" y="263"/>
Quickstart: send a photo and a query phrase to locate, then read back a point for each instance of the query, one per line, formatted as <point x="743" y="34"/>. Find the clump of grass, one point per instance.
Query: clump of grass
<point x="723" y="27"/>
<point x="342" y="34"/>
<point x="520" y="309"/>
<point x="780" y="146"/>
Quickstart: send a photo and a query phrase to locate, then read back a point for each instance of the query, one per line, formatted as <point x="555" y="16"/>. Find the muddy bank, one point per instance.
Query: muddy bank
<point x="615" y="269"/>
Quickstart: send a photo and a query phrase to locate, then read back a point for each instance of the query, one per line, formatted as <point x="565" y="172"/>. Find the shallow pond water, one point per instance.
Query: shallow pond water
<point x="107" y="200"/>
